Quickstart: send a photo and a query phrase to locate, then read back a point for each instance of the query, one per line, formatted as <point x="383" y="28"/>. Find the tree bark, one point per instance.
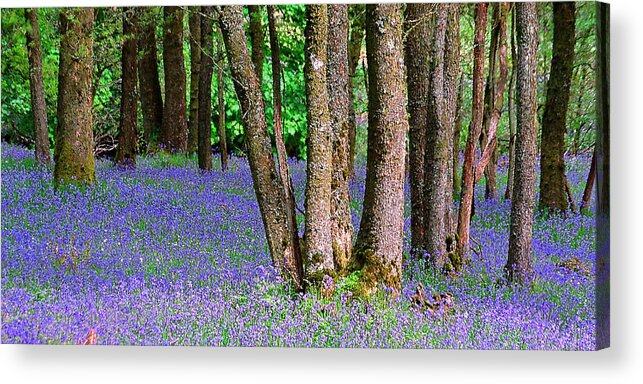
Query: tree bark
<point x="554" y="125"/>
<point x="204" y="90"/>
<point x="512" y="110"/>
<point x="589" y="186"/>
<point x="221" y="126"/>
<point x="74" y="151"/>
<point x="338" y="83"/>
<point x="378" y="250"/>
<point x="128" y="128"/>
<point x="148" y="72"/>
<point x="256" y="40"/>
<point x="417" y="54"/>
<point x="518" y="268"/>
<point x="357" y="29"/>
<point x="174" y="128"/>
<point x="457" y="129"/>
<point x="37" y="87"/>
<point x="270" y="196"/>
<point x="195" y="68"/>
<point x="475" y="127"/>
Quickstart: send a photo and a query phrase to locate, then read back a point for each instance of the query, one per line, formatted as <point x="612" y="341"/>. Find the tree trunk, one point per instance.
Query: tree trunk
<point x="338" y="83"/>
<point x="417" y="54"/>
<point x="174" y="130"/>
<point x="148" y="72"/>
<point x="436" y="160"/>
<point x="512" y="110"/>
<point x="195" y="67"/>
<point x="518" y="268"/>
<point x="378" y="250"/>
<point x="37" y="88"/>
<point x="554" y="125"/>
<point x="204" y="88"/>
<point x="270" y="196"/>
<point x="457" y="129"/>
<point x="221" y="127"/>
<point x="468" y="168"/>
<point x="74" y="151"/>
<point x="589" y="186"/>
<point x="357" y="28"/>
<point x="127" y="128"/>
<point x="256" y="40"/>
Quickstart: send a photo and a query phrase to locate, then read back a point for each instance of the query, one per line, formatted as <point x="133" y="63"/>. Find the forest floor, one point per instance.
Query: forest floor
<point x="164" y="255"/>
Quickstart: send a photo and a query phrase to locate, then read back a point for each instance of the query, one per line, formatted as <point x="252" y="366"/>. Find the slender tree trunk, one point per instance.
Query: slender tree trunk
<point x="417" y="54"/>
<point x="338" y="83"/>
<point x="221" y="127"/>
<point x="378" y="250"/>
<point x="570" y="195"/>
<point x="37" y="87"/>
<point x="468" y="168"/>
<point x="256" y="40"/>
<point x="195" y="68"/>
<point x="554" y="125"/>
<point x="127" y="128"/>
<point x="512" y="110"/>
<point x="148" y="72"/>
<point x="74" y="151"/>
<point x="589" y="186"/>
<point x="204" y="88"/>
<point x="357" y="29"/>
<point x="270" y="195"/>
<point x="457" y="129"/>
<point x="518" y="268"/>
<point x="174" y="135"/>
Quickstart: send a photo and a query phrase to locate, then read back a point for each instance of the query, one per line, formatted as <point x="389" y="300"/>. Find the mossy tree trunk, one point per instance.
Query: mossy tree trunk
<point x="128" y="127"/>
<point x="221" y="126"/>
<point x="337" y="74"/>
<point x="518" y="268"/>
<point x="37" y="87"/>
<point x="417" y="54"/>
<point x="74" y="151"/>
<point x="270" y="195"/>
<point x="148" y="72"/>
<point x="204" y="94"/>
<point x="357" y="30"/>
<point x="378" y="249"/>
<point x="554" y="125"/>
<point x="475" y="127"/>
<point x="318" y="256"/>
<point x="194" y="24"/>
<point x="256" y="40"/>
<point x="174" y="135"/>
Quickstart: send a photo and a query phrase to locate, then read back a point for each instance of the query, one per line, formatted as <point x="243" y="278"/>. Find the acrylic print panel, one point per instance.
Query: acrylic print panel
<point x="361" y="176"/>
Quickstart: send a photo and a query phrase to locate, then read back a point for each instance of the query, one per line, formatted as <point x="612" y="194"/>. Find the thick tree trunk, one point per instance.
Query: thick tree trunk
<point x="204" y="88"/>
<point x="318" y="258"/>
<point x="74" y="151"/>
<point x="518" y="268"/>
<point x="127" y="128"/>
<point x="417" y="54"/>
<point x="512" y="110"/>
<point x="37" y="87"/>
<point x="221" y="126"/>
<point x="475" y="127"/>
<point x="270" y="196"/>
<point x="195" y="68"/>
<point x="357" y="29"/>
<point x="378" y="250"/>
<point x="457" y="129"/>
<point x="338" y="83"/>
<point x="256" y="40"/>
<point x="174" y="135"/>
<point x="436" y="162"/>
<point x="554" y="125"/>
<point x="589" y="186"/>
<point x="148" y="72"/>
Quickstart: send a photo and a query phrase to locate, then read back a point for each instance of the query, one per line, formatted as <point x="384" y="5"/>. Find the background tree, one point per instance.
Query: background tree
<point x="221" y="126"/>
<point x="128" y="128"/>
<point x="37" y="87"/>
<point x="194" y="25"/>
<point x="378" y="249"/>
<point x="174" y="129"/>
<point x="74" y="151"/>
<point x="270" y="196"/>
<point x="149" y="84"/>
<point x="338" y="83"/>
<point x="357" y="29"/>
<point x="554" y="123"/>
<point x="256" y="40"/>
<point x="204" y="89"/>
<point x="511" y="96"/>
<point x="518" y="268"/>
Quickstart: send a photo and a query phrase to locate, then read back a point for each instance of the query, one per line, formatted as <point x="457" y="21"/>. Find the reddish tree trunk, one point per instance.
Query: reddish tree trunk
<point x="589" y="185"/>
